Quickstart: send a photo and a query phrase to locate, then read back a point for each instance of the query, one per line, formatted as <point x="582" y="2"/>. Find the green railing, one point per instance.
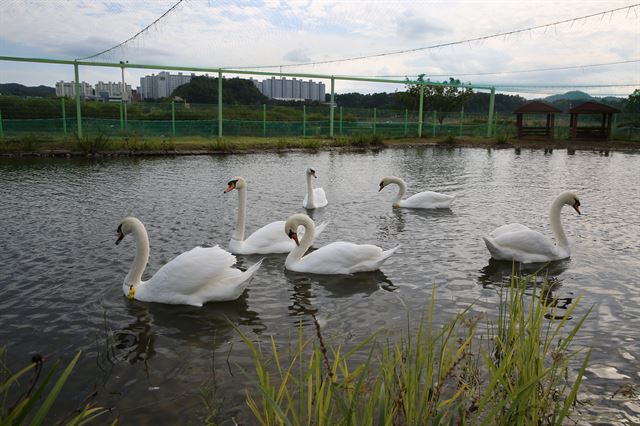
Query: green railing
<point x="52" y="116"/>
<point x="222" y="116"/>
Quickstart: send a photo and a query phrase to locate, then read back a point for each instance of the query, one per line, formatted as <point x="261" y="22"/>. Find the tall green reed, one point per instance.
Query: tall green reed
<point x="509" y="370"/>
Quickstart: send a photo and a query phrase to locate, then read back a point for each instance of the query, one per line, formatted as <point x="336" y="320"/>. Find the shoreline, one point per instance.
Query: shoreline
<point x="271" y="145"/>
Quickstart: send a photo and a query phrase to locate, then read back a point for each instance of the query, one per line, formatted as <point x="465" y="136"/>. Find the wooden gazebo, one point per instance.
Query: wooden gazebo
<point x="536" y="107"/>
<point x="601" y="131"/>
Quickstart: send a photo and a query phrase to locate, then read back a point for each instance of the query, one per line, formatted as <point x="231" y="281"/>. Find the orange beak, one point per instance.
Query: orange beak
<point x="294" y="237"/>
<point x="231" y="187"/>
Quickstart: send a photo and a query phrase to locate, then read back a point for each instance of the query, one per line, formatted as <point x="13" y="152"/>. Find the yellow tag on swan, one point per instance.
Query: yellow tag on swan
<point x="132" y="292"/>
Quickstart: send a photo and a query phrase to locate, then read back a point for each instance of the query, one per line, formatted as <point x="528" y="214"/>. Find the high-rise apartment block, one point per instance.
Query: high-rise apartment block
<point x="104" y="91"/>
<point x="282" y="88"/>
<point x="161" y="85"/>
<point x="111" y="90"/>
<point x="68" y="90"/>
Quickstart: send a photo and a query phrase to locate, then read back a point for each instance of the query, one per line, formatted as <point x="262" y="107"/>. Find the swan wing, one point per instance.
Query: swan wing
<point x="268" y="239"/>
<point x="319" y="199"/>
<point x="517" y="242"/>
<point x="187" y="274"/>
<point x="428" y="200"/>
<point x="342" y="258"/>
<point x="508" y="229"/>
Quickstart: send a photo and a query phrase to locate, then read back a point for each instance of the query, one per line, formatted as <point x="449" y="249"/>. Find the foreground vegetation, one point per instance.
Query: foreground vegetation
<point x="39" y="145"/>
<point x="468" y="371"/>
<point x="29" y="394"/>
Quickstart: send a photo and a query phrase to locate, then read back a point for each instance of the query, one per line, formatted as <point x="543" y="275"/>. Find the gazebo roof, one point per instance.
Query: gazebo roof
<point x="592" y="107"/>
<point x="536" y="107"/>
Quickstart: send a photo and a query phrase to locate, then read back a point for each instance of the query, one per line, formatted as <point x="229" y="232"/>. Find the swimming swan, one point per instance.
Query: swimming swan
<point x="315" y="197"/>
<point x="195" y="277"/>
<point x="519" y="243"/>
<point x="421" y="200"/>
<point x="268" y="239"/>
<point x="335" y="258"/>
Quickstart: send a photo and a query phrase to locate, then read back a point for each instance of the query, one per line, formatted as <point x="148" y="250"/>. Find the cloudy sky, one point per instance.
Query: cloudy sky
<point x="259" y="33"/>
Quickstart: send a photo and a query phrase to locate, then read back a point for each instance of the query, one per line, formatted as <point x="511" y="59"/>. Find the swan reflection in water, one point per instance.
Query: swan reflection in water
<point x="336" y="286"/>
<point x="542" y="276"/>
<point x="206" y="328"/>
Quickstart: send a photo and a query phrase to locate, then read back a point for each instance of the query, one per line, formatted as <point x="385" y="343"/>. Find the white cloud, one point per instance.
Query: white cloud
<point x="242" y="33"/>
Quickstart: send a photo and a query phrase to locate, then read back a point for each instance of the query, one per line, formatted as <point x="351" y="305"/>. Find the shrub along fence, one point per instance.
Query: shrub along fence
<point x="56" y="116"/>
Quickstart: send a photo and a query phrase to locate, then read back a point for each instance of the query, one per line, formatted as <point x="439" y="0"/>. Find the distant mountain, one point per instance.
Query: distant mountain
<point x="573" y="95"/>
<point x="20" y="90"/>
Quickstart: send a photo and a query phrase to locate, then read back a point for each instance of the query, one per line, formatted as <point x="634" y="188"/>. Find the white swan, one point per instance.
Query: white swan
<point x="421" y="200"/>
<point x="195" y="277"/>
<point x="315" y="197"/>
<point x="519" y="243"/>
<point x="335" y="258"/>
<point x="268" y="239"/>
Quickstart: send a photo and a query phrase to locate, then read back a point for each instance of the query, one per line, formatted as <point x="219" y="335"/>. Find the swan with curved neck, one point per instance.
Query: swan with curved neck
<point x="518" y="242"/>
<point x="336" y="258"/>
<point x="421" y="200"/>
<point x="200" y="275"/>
<point x="268" y="239"/>
<point x="315" y="197"/>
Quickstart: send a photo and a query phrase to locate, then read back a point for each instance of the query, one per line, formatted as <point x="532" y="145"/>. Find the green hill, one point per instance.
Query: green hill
<point x="20" y="90"/>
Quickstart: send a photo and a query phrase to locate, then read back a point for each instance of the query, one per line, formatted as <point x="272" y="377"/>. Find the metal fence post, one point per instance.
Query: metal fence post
<point x="435" y="119"/>
<point x="406" y="121"/>
<point x="77" y="86"/>
<point x="220" y="104"/>
<point x="64" y="116"/>
<point x="304" y="120"/>
<point x="492" y="102"/>
<point x="461" y="119"/>
<point x="121" y="116"/>
<point x="173" y="118"/>
<point x="340" y="120"/>
<point x="333" y="93"/>
<point x="420" y="112"/>
<point x="264" y="120"/>
<point x="374" y="121"/>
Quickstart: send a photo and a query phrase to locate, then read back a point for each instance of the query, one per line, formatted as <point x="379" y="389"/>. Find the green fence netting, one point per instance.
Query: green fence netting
<point x="55" y="116"/>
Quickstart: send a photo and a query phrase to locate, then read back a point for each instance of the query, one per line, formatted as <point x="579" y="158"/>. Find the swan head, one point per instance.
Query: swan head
<point x="291" y="225"/>
<point x="384" y="182"/>
<point x="126" y="226"/>
<point x="570" y="198"/>
<point x="237" y="182"/>
<point x="311" y="172"/>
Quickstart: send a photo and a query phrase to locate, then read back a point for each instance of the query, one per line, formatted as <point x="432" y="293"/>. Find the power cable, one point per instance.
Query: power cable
<point x="505" y="72"/>
<point x="135" y="35"/>
<point x="435" y="46"/>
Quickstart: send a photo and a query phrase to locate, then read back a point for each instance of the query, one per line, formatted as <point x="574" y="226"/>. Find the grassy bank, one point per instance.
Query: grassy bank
<point x="472" y="370"/>
<point x="42" y="145"/>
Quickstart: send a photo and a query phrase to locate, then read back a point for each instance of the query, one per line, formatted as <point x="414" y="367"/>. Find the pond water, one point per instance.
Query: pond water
<point x="61" y="272"/>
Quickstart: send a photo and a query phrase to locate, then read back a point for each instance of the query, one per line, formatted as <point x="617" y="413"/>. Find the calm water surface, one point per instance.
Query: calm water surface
<point x="61" y="273"/>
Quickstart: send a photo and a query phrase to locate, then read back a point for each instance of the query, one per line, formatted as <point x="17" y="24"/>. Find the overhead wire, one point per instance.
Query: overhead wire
<point x="453" y="43"/>
<point x="568" y="67"/>
<point x="168" y="11"/>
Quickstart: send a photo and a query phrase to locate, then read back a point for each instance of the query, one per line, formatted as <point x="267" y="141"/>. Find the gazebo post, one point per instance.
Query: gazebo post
<point x="547" y="130"/>
<point x="539" y="131"/>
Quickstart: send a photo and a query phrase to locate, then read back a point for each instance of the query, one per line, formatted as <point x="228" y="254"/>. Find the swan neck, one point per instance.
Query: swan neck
<point x="305" y="242"/>
<point x="556" y="224"/>
<point x="402" y="189"/>
<point x="238" y="234"/>
<point x="309" y="190"/>
<point x="134" y="277"/>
